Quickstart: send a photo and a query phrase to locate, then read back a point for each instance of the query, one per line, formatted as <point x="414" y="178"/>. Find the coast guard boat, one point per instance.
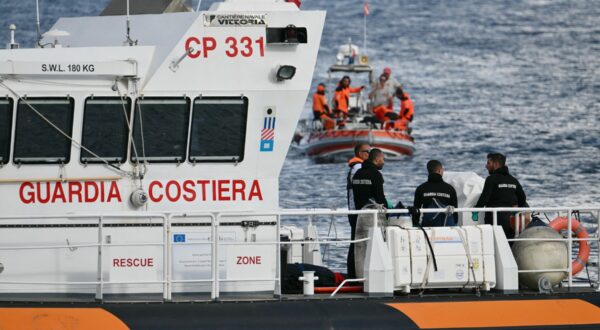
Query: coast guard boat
<point x="337" y="145"/>
<point x="139" y="188"/>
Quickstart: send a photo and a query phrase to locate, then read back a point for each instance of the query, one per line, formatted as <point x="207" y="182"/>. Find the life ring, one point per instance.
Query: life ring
<point x="562" y="223"/>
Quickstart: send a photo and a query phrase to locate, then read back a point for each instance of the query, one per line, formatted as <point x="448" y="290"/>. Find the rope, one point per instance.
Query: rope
<point x="76" y="143"/>
<point x="130" y="129"/>
<point x="465" y="243"/>
<point x="429" y="260"/>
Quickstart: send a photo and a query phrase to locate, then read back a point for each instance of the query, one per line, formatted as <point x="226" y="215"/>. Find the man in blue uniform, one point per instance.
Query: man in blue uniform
<point x="435" y="194"/>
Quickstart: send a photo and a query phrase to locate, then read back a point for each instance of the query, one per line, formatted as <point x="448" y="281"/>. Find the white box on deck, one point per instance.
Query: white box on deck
<point x="455" y="249"/>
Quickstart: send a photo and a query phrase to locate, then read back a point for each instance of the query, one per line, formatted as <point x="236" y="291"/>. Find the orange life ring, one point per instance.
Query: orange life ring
<point x="562" y="223"/>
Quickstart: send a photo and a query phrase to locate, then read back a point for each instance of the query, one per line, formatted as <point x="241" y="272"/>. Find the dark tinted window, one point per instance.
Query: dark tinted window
<point x="105" y="131"/>
<point x="6" y="109"/>
<point x="164" y="124"/>
<point x="218" y="130"/>
<point x="36" y="140"/>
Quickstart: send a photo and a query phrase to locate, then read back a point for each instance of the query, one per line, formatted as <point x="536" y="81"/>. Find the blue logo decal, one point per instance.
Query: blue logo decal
<point x="179" y="238"/>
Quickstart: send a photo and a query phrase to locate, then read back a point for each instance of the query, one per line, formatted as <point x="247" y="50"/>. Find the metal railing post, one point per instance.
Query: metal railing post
<point x="598" y="247"/>
<point x="278" y="264"/>
<point x="494" y="217"/>
<point x="570" y="247"/>
<point x="167" y="258"/>
<point x="215" y="259"/>
<point x="100" y="275"/>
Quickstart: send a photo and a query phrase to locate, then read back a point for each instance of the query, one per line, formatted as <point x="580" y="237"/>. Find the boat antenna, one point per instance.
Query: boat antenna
<point x="128" y="39"/>
<point x="198" y="7"/>
<point x="366" y="13"/>
<point x="39" y="33"/>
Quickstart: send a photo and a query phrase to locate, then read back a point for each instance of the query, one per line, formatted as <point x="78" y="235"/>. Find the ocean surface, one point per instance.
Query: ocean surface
<point x="517" y="77"/>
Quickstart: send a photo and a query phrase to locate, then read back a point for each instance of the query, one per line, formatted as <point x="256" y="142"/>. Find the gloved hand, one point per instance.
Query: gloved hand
<point x="389" y="204"/>
<point x="475" y="216"/>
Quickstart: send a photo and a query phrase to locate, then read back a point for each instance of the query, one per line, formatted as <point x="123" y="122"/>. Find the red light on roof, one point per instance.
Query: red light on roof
<point x="297" y="2"/>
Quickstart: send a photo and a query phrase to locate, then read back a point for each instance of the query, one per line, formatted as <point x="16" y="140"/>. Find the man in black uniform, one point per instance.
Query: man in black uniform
<point x="367" y="183"/>
<point x="361" y="153"/>
<point x="435" y="194"/>
<point x="500" y="190"/>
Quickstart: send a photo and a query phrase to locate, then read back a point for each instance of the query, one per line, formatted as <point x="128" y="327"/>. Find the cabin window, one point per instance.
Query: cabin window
<point x="105" y="130"/>
<point x="38" y="137"/>
<point x="160" y="134"/>
<point x="218" y="129"/>
<point x="6" y="110"/>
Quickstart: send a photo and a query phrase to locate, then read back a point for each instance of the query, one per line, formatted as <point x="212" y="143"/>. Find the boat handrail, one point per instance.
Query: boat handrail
<point x="167" y="219"/>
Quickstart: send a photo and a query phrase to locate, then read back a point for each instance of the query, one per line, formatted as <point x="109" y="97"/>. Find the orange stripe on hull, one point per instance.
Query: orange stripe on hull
<point x="59" y="318"/>
<point x="512" y="313"/>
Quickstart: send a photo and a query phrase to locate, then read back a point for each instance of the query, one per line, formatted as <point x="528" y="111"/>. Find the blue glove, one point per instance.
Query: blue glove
<point x="475" y="216"/>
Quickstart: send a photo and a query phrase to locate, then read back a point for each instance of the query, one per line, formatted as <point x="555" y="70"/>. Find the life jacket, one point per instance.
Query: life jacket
<point x="350" y="196"/>
<point x="401" y="124"/>
<point x="319" y="104"/>
<point x="380" y="112"/>
<point x="342" y="97"/>
<point x="407" y="109"/>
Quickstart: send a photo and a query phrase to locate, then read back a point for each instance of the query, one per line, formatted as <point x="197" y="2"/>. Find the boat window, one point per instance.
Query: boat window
<point x="38" y="137"/>
<point x="105" y="130"/>
<point x="164" y="124"/>
<point x="218" y="129"/>
<point x="6" y="110"/>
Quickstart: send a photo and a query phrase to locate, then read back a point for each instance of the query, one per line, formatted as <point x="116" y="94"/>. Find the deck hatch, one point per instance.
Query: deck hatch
<point x="218" y="129"/>
<point x="6" y="111"/>
<point x="164" y="124"/>
<point x="105" y="129"/>
<point x="36" y="140"/>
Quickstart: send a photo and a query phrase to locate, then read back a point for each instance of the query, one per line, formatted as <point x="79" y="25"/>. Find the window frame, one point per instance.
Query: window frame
<point x="93" y="160"/>
<point x="11" y="117"/>
<point x="159" y="160"/>
<point x="48" y="161"/>
<point x="219" y="159"/>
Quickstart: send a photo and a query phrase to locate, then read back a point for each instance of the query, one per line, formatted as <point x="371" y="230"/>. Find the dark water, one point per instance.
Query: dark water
<point x="518" y="77"/>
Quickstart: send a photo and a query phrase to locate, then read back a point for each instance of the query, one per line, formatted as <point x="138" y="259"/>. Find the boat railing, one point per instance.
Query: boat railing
<point x="312" y="215"/>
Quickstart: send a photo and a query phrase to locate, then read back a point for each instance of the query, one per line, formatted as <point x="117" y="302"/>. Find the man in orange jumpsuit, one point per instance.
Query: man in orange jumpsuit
<point x="341" y="99"/>
<point x="321" y="109"/>
<point x="407" y="110"/>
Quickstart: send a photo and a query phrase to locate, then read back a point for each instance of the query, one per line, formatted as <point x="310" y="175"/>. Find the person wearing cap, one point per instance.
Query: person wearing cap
<point x="321" y="109"/>
<point x="391" y="84"/>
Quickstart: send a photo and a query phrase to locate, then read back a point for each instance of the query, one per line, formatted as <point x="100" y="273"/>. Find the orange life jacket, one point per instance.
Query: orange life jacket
<point x="319" y="103"/>
<point x="342" y="97"/>
<point x="355" y="160"/>
<point x="380" y="112"/>
<point x="407" y="109"/>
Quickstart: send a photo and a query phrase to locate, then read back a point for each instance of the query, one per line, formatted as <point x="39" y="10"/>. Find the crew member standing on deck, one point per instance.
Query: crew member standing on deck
<point x="500" y="190"/>
<point x="361" y="153"/>
<point x="435" y="194"/>
<point x="367" y="183"/>
<point x="341" y="99"/>
<point x="321" y="109"/>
